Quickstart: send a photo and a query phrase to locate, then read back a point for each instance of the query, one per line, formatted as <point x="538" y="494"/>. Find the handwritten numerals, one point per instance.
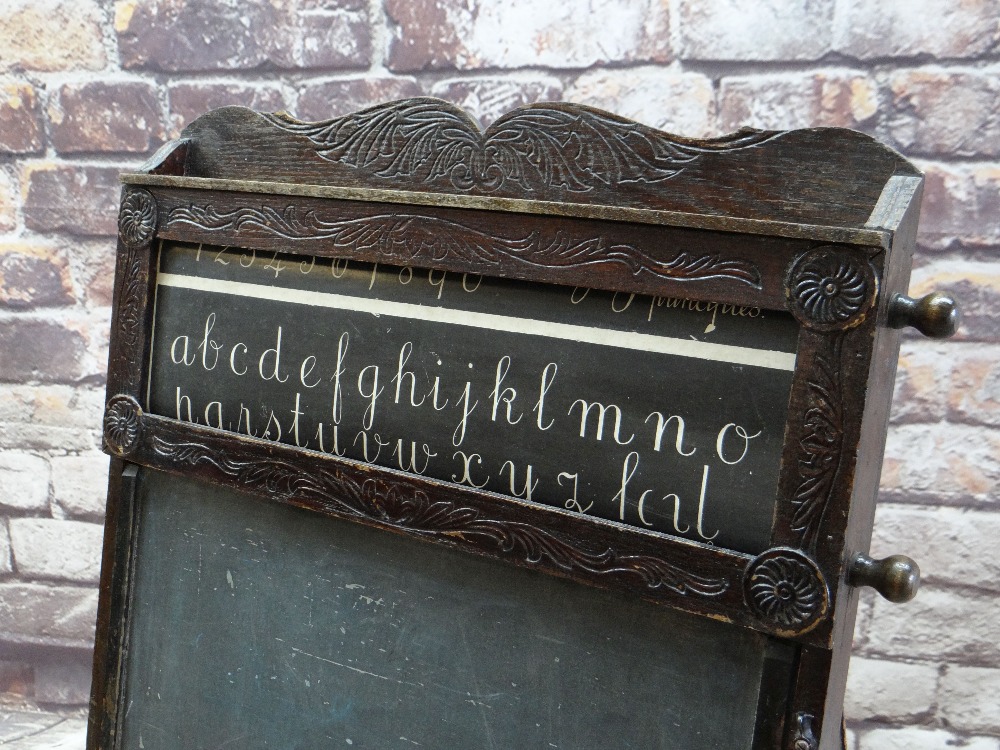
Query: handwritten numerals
<point x="137" y="218"/>
<point x="122" y="425"/>
<point x="831" y="288"/>
<point x="787" y="590"/>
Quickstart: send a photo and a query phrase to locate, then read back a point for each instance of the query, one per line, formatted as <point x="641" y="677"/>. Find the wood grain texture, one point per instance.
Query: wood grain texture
<point x="615" y="256"/>
<point x="688" y="576"/>
<point x="556" y="152"/>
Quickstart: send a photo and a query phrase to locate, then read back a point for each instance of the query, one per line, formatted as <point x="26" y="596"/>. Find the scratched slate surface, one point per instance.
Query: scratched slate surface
<point x="258" y="625"/>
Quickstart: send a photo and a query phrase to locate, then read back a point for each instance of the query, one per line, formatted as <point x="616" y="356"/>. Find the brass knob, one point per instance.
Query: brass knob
<point x="935" y="315"/>
<point x="896" y="577"/>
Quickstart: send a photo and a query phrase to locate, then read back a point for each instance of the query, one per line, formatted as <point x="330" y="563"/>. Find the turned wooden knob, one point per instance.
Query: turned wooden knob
<point x="935" y="315"/>
<point x="896" y="577"/>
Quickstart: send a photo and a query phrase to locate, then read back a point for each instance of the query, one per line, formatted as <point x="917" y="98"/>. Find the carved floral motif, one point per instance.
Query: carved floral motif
<point x="137" y="218"/>
<point x="425" y="239"/>
<point x="831" y="289"/>
<point x="122" y="424"/>
<point x="540" y="147"/>
<point x="786" y="589"/>
<point x="821" y="446"/>
<point x="397" y="504"/>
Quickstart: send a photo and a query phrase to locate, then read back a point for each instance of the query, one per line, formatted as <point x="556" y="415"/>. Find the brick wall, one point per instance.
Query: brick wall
<point x="88" y="88"/>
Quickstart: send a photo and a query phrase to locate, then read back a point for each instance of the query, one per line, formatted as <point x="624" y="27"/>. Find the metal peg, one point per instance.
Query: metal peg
<point x="896" y="577"/>
<point x="803" y="737"/>
<point x="935" y="315"/>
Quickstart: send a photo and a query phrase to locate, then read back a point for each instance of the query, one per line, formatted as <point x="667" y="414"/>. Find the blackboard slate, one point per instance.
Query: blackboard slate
<point x="259" y="625"/>
<point x="243" y="341"/>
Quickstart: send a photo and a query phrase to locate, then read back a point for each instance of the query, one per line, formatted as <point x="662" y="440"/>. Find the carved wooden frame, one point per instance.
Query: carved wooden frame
<point x="429" y="190"/>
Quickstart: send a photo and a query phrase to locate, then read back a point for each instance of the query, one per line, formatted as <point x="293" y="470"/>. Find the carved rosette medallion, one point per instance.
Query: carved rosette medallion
<point x="786" y="589"/>
<point x="137" y="218"/>
<point x="122" y="425"/>
<point x="831" y="288"/>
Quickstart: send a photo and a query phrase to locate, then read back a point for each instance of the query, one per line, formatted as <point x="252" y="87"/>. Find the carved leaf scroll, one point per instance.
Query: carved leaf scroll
<point x="821" y="447"/>
<point x="136" y="226"/>
<point x="410" y="238"/>
<point x="538" y="147"/>
<point x="395" y="504"/>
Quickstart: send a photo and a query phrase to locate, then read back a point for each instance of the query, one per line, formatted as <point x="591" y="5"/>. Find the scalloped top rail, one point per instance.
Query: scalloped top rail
<point x="829" y="177"/>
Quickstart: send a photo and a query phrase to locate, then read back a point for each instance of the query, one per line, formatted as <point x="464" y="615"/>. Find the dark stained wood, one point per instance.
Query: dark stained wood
<point x="871" y="448"/>
<point x="111" y="632"/>
<point x="768" y="202"/>
<point x="556" y="152"/>
<point x="689" y="576"/>
<point x="626" y="257"/>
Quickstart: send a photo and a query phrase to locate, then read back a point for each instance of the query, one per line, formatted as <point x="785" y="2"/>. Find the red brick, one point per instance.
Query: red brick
<point x="78" y="199"/>
<point x="20" y="119"/>
<point x="52" y="405"/>
<point x="189" y="35"/>
<point x="51" y="35"/>
<point x="974" y="385"/>
<point x="922" y="380"/>
<point x="48" y="615"/>
<point x="43" y="418"/>
<point x="334" y="40"/>
<point x="798" y="100"/>
<point x="9" y="201"/>
<point x="682" y="103"/>
<point x="24" y="481"/>
<point x="92" y="265"/>
<point x="487" y="99"/>
<point x="873" y="690"/>
<point x="946" y="112"/>
<point x="63" y="678"/>
<point x="900" y="28"/>
<point x="441" y="34"/>
<point x="919" y="738"/>
<point x="969" y="699"/>
<point x="106" y="116"/>
<point x="727" y="30"/>
<point x="938" y="626"/>
<point x="961" y="203"/>
<point x="6" y="563"/>
<point x="40" y="350"/>
<point x="33" y="275"/>
<point x="80" y="483"/>
<point x="356" y="5"/>
<point x="323" y="100"/>
<point x="192" y="99"/>
<point x="45" y="548"/>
